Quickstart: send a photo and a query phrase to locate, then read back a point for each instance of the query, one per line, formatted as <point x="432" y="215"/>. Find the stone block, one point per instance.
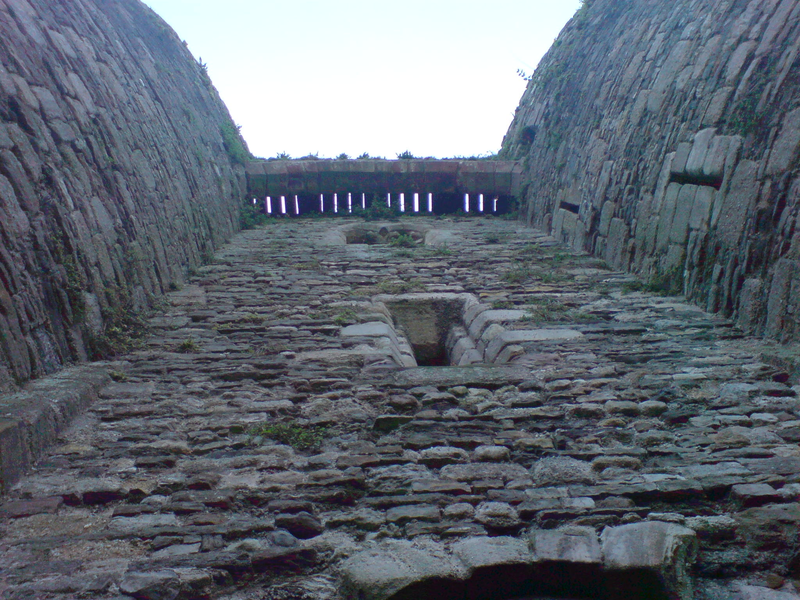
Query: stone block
<point x="653" y="556"/>
<point x="683" y="209"/>
<point x="681" y="158"/>
<point x="754" y="494"/>
<point x="393" y="567"/>
<point x="714" y="164"/>
<point x="700" y="147"/>
<point x="482" y="552"/>
<point x="605" y="217"/>
<point x="786" y="147"/>
<point x="666" y="214"/>
<point x="572" y="545"/>
<point x="701" y="208"/>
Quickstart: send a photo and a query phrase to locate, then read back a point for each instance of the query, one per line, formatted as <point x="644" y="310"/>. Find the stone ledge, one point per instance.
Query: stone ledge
<point x="31" y="419"/>
<point x="646" y="560"/>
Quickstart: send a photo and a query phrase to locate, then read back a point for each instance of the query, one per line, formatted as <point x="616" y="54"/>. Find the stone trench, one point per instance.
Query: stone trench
<point x="275" y="437"/>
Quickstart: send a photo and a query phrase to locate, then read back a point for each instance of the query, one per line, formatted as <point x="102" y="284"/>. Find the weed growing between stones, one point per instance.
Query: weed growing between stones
<point x="440" y="250"/>
<point x="296" y="436"/>
<point x="251" y="215"/>
<point x="125" y="327"/>
<point x="378" y="210"/>
<point x="544" y="310"/>
<point x="118" y="376"/>
<point x="346" y="316"/>
<point x="669" y="283"/>
<point x="502" y="305"/>
<point x="235" y="146"/>
<point x="188" y="346"/>
<point x="404" y="240"/>
<point x="251" y="318"/>
<point x="399" y="287"/>
<point x="518" y="274"/>
<point x="311" y="265"/>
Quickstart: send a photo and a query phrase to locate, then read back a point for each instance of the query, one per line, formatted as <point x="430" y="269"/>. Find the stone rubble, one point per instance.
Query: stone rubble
<point x="251" y="450"/>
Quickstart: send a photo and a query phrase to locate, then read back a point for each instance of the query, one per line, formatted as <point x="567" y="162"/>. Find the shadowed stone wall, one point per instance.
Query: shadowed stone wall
<point x="664" y="137"/>
<point x="114" y="176"/>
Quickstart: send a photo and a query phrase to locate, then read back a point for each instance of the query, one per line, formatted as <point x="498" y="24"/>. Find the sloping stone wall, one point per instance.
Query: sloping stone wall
<point x="665" y="137"/>
<point x="115" y="177"/>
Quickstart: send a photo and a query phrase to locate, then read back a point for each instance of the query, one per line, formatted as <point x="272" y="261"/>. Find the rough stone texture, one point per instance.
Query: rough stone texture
<point x="178" y="480"/>
<point x="114" y="179"/>
<point x="663" y="549"/>
<point x="665" y="138"/>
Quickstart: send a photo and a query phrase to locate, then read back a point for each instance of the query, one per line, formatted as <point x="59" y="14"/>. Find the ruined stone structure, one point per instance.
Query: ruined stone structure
<point x="663" y="137"/>
<point x="114" y="178"/>
<point x="428" y="408"/>
<point x="439" y="185"/>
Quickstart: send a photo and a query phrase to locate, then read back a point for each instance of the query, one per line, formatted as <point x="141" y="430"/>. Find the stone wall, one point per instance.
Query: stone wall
<point x="116" y="176"/>
<point x="665" y="137"/>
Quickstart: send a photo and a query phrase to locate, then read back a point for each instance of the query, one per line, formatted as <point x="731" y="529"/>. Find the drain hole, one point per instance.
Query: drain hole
<point x="431" y="356"/>
<point x="427" y="322"/>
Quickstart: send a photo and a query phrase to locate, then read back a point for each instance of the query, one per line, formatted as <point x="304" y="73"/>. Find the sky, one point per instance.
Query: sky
<point x="431" y="77"/>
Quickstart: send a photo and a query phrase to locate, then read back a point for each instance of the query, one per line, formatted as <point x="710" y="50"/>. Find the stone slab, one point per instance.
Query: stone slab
<point x="30" y="420"/>
<point x="476" y="376"/>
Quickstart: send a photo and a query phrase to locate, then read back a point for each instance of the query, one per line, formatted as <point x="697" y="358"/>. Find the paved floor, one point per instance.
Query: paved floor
<point x="248" y="448"/>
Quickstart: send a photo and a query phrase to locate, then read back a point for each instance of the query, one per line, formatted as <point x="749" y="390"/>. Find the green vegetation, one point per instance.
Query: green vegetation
<point x="501" y="305"/>
<point x="118" y="376"/>
<point x="544" y="310"/>
<point x="518" y="274"/>
<point x="251" y="215"/>
<point x="399" y="287"/>
<point x="188" y="346"/>
<point x="124" y="326"/>
<point x="346" y="316"/>
<point x="440" y="250"/>
<point x="297" y="436"/>
<point x="669" y="283"/>
<point x="235" y="146"/>
<point x="310" y="265"/>
<point x="378" y="210"/>
<point x="404" y="240"/>
<point x="405" y="155"/>
<point x="251" y="318"/>
<point x="745" y="118"/>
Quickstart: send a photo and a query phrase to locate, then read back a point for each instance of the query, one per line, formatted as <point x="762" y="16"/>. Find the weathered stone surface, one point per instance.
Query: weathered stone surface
<point x="379" y="574"/>
<point x="571" y="545"/>
<point x="664" y="170"/>
<point x="664" y="550"/>
<point x="217" y="461"/>
<point x="114" y="180"/>
<point x="157" y="585"/>
<point x="562" y="470"/>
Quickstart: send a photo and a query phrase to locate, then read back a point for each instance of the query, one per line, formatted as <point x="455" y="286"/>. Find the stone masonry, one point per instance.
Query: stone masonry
<point x="665" y="138"/>
<point x="266" y="443"/>
<point x="116" y="175"/>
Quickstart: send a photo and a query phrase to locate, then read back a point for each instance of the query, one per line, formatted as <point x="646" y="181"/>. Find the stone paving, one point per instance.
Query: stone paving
<point x="619" y="444"/>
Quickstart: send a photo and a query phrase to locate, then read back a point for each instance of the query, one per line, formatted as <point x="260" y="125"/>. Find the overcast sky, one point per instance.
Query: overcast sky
<point x="434" y="77"/>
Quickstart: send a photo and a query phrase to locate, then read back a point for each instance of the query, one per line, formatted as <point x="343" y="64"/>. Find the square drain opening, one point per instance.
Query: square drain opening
<point x="427" y="321"/>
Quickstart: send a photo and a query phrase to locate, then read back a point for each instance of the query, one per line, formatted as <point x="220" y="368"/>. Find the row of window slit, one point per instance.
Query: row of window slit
<point x="283" y="205"/>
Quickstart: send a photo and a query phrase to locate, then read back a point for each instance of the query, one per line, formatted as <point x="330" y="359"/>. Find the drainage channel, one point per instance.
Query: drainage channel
<point x="447" y="329"/>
